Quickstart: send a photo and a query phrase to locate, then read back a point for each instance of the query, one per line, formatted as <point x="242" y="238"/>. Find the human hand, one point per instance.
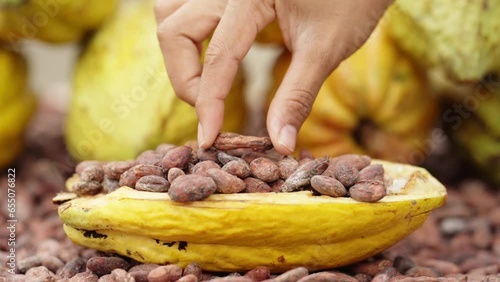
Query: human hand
<point x="318" y="33"/>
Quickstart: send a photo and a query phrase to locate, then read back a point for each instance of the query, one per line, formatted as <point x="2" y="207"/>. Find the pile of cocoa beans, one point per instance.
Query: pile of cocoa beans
<point x="234" y="164"/>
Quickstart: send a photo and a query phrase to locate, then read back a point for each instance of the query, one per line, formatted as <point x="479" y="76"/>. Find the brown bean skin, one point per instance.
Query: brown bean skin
<point x="87" y="188"/>
<point x="346" y="174"/>
<point x="150" y="157"/>
<point x="130" y="177"/>
<point x="372" y="172"/>
<point x="191" y="187"/>
<point x="202" y="167"/>
<point x="287" y="167"/>
<point x="328" y="186"/>
<point x="226" y="183"/>
<point x="92" y="173"/>
<point x="369" y="191"/>
<point x="238" y="168"/>
<point x="229" y="141"/>
<point x="302" y="176"/>
<point x="173" y="173"/>
<point x="178" y="157"/>
<point x="152" y="183"/>
<point x="114" y="170"/>
<point x="265" y="169"/>
<point x="255" y="185"/>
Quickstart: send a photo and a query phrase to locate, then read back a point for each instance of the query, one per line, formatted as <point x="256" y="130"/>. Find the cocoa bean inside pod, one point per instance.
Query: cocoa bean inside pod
<point x="328" y="186"/>
<point x="372" y="172"/>
<point x="265" y="169"/>
<point x="191" y="187"/>
<point x="368" y="191"/>
<point x="152" y="183"/>
<point x="202" y="167"/>
<point x="287" y="167"/>
<point x="87" y="188"/>
<point x="255" y="185"/>
<point x="178" y="157"/>
<point x="226" y="182"/>
<point x="302" y="176"/>
<point x="238" y="168"/>
<point x="115" y="169"/>
<point x="173" y="173"/>
<point x="131" y="176"/>
<point x="345" y="173"/>
<point x="93" y="173"/>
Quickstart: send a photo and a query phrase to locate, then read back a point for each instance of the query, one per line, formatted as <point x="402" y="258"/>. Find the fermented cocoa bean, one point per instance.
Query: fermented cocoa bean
<point x="209" y="154"/>
<point x="104" y="265"/>
<point x="173" y="173"/>
<point x="188" y="278"/>
<point x="345" y="173"/>
<point x="52" y="263"/>
<point x="276" y="185"/>
<point x="305" y="154"/>
<point x="152" y="183"/>
<point x="369" y="191"/>
<point x="325" y="276"/>
<point x="177" y="157"/>
<point x="258" y="274"/>
<point x="26" y="263"/>
<point x="191" y="187"/>
<point x="421" y="271"/>
<point x="224" y="158"/>
<point x="403" y="263"/>
<point x="255" y="185"/>
<point x="165" y="273"/>
<point x="385" y="274"/>
<point x="150" y="157"/>
<point x="84" y="164"/>
<point x="114" y="170"/>
<point x="265" y="169"/>
<point x="86" y="188"/>
<point x="292" y="275"/>
<point x="93" y="173"/>
<point x="72" y="267"/>
<point x="86" y="276"/>
<point x="109" y="185"/>
<point x="372" y="267"/>
<point x="303" y="161"/>
<point x="39" y="273"/>
<point x="202" y="167"/>
<point x="287" y="167"/>
<point x="130" y="177"/>
<point x="226" y="183"/>
<point x="326" y="185"/>
<point x="372" y="172"/>
<point x="238" y="168"/>
<point x="355" y="160"/>
<point x="230" y="141"/>
<point x="164" y="148"/>
<point x="193" y="269"/>
<point x="121" y="275"/>
<point x="302" y="176"/>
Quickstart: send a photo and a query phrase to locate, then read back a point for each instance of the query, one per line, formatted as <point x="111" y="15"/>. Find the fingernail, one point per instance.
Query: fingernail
<point x="287" y="137"/>
<point x="201" y="136"/>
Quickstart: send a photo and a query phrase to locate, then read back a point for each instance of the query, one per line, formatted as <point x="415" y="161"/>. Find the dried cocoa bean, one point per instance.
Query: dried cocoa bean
<point x="140" y="272"/>
<point x="150" y="157"/>
<point x="255" y="185"/>
<point x="226" y="183"/>
<point x="121" y="275"/>
<point x="114" y="170"/>
<point x="371" y="268"/>
<point x="104" y="265"/>
<point x="258" y="274"/>
<point x="224" y="158"/>
<point x="369" y="191"/>
<point x="72" y="267"/>
<point x="421" y="271"/>
<point x="372" y="172"/>
<point x="302" y="176"/>
<point x="130" y="177"/>
<point x="292" y="275"/>
<point x="403" y="263"/>
<point x="357" y="161"/>
<point x="165" y="273"/>
<point x="230" y="141"/>
<point x="328" y="186"/>
<point x="202" y="167"/>
<point x="92" y="173"/>
<point x="29" y="262"/>
<point x="86" y="188"/>
<point x="52" y="263"/>
<point x="193" y="269"/>
<point x="152" y="183"/>
<point x="265" y="169"/>
<point x="231" y="279"/>
<point x="361" y="277"/>
<point x="84" y="164"/>
<point x="385" y="274"/>
<point x="177" y="157"/>
<point x="238" y="168"/>
<point x="303" y="161"/>
<point x="188" y="278"/>
<point x="173" y="173"/>
<point x="276" y="185"/>
<point x="191" y="187"/>
<point x="345" y="173"/>
<point x="84" y="277"/>
<point x="109" y="185"/>
<point x="164" y="148"/>
<point x="325" y="276"/>
<point x="287" y="167"/>
<point x="40" y="273"/>
<point x="444" y="267"/>
<point x="210" y="154"/>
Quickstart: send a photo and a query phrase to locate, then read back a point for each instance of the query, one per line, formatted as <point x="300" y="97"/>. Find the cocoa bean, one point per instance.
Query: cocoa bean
<point x="357" y="161"/>
<point x="287" y="167"/>
<point x="265" y="169"/>
<point x="325" y="276"/>
<point x="276" y="185"/>
<point x="372" y="267"/>
<point x="109" y="185"/>
<point x="305" y="154"/>
<point x="131" y="176"/>
<point x="92" y="173"/>
<point x="361" y="277"/>
<point x="346" y="174"/>
<point x="202" y="167"/>
<point x="224" y="158"/>
<point x="191" y="187"/>
<point x="188" y="278"/>
<point x="150" y="157"/>
<point x="421" y="271"/>
<point x="328" y="186"/>
<point x="40" y="273"/>
<point x="87" y="188"/>
<point x="302" y="176"/>
<point x="403" y="263"/>
<point x="209" y="154"/>
<point x="121" y="275"/>
<point x="231" y="279"/>
<point x="84" y="164"/>
<point x="303" y="161"/>
<point x="113" y="170"/>
<point x="29" y="262"/>
<point x="52" y="263"/>
<point x="238" y="168"/>
<point x="104" y="265"/>
<point x="173" y="173"/>
<point x="230" y="141"/>
<point x="140" y="272"/>
<point x="165" y="273"/>
<point x="193" y="269"/>
<point x="226" y="183"/>
<point x="385" y="274"/>
<point x="292" y="275"/>
<point x="178" y="157"/>
<point x="255" y="185"/>
<point x="258" y="274"/>
<point x="72" y="267"/>
<point x="164" y="148"/>
<point x="152" y="183"/>
<point x="370" y="191"/>
<point x="372" y="172"/>
<point x="84" y="277"/>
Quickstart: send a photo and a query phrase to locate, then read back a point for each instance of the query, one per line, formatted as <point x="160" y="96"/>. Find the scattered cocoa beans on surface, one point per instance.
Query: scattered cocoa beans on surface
<point x="236" y="164"/>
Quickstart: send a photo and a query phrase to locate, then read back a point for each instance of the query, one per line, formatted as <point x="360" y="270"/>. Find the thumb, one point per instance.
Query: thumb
<point x="294" y="98"/>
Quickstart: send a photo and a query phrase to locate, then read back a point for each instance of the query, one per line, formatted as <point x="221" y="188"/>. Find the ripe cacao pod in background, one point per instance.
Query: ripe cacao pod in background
<point x="460" y="36"/>
<point x="53" y="21"/>
<point x="123" y="102"/>
<point x="470" y="116"/>
<point x="18" y="105"/>
<point x="377" y="102"/>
